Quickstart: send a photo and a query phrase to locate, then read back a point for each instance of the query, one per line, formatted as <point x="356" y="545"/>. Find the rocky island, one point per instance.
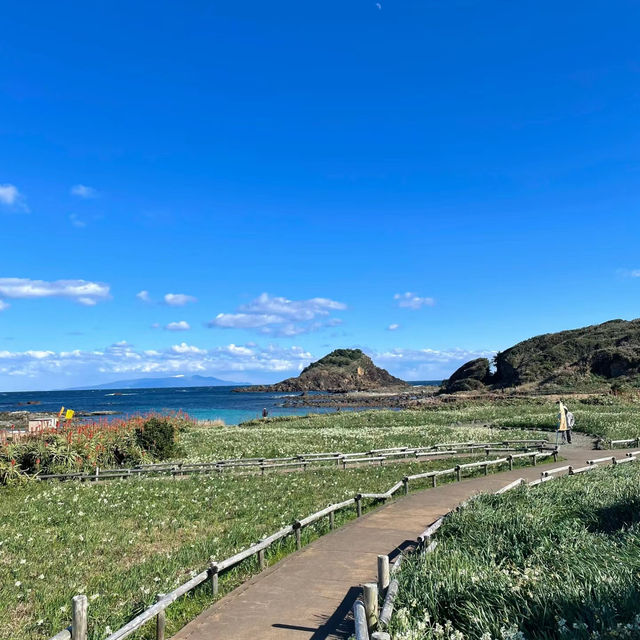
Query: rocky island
<point x="341" y="370"/>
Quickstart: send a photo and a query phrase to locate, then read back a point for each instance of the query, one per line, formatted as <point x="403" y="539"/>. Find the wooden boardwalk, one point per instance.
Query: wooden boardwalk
<point x="309" y="594"/>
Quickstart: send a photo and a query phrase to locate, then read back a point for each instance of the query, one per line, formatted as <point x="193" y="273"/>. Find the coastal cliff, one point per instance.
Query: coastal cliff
<point x="597" y="356"/>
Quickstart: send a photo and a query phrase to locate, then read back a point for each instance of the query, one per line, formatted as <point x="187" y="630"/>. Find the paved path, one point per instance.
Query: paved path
<point x="308" y="594"/>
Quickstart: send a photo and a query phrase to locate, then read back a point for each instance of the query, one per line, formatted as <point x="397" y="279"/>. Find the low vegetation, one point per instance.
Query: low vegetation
<point x="604" y="416"/>
<point x="97" y="444"/>
<point x="345" y="432"/>
<point x="557" y="561"/>
<point x="123" y="542"/>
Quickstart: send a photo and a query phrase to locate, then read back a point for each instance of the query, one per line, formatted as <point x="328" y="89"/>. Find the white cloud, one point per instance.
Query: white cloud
<point x="12" y="198"/>
<point x="279" y="316"/>
<point x="69" y="368"/>
<point x="425" y="364"/>
<point x="187" y="348"/>
<point x="182" y="325"/>
<point x="82" y="191"/>
<point x="144" y="296"/>
<point x="81" y="291"/>
<point x="243" y="351"/>
<point x="393" y="327"/>
<point x="4" y="305"/>
<point x="635" y="273"/>
<point x="178" y="299"/>
<point x="410" y="300"/>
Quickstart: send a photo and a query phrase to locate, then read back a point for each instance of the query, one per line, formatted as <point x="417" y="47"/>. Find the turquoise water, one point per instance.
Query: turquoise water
<point x="203" y="403"/>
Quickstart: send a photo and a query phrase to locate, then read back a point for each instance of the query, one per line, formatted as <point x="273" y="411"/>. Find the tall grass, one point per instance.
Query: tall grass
<point x="557" y="561"/>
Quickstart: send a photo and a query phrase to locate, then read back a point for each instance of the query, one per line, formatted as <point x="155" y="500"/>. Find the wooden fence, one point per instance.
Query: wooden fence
<point x="301" y="461"/>
<point x="371" y="621"/>
<point x="77" y="629"/>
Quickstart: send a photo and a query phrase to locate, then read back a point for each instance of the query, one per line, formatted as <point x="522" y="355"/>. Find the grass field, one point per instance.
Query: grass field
<point x="344" y="432"/>
<point x="557" y="561"/>
<point x="359" y="431"/>
<point x="122" y="542"/>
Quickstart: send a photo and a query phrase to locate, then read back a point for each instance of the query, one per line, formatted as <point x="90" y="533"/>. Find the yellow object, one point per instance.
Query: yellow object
<point x="69" y="414"/>
<point x="562" y="424"/>
<point x="61" y="412"/>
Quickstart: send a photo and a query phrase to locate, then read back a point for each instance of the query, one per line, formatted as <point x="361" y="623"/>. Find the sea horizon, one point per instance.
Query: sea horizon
<point x="202" y="403"/>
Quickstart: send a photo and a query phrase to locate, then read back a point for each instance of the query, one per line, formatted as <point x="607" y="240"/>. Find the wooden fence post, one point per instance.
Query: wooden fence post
<point x="434" y="481"/>
<point x="261" y="561"/>
<point x="332" y="520"/>
<point x="297" y="530"/>
<point x="555" y="455"/>
<point x="534" y="457"/>
<point x="405" y="482"/>
<point x="213" y="577"/>
<point x="360" y="619"/>
<point x="458" y="472"/>
<point x="161" y="620"/>
<point x="79" y="606"/>
<point x="370" y="598"/>
<point x="510" y="458"/>
<point x="486" y="469"/>
<point x="358" y="505"/>
<point x="383" y="573"/>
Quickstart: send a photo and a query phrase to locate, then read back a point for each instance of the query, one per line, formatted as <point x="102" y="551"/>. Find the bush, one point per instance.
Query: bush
<point x="157" y="436"/>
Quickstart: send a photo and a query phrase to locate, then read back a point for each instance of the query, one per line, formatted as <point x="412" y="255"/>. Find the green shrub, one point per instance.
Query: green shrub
<point x="157" y="436"/>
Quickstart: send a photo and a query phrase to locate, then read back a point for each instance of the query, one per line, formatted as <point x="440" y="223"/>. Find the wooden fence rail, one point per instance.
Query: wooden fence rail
<point x="156" y="611"/>
<point x="301" y="461"/>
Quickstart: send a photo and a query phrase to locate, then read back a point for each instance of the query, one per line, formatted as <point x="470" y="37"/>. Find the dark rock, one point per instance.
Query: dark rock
<point x="472" y="375"/>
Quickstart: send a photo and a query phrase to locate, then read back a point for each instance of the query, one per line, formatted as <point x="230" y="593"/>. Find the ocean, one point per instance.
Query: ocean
<point x="202" y="403"/>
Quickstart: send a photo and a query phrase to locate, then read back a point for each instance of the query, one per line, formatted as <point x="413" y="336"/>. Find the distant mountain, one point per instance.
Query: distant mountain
<point x="340" y="370"/>
<point x="164" y="383"/>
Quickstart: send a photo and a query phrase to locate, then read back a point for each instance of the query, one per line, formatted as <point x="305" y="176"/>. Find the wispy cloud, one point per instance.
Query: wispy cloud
<point x="12" y="199"/>
<point x="410" y="300"/>
<point x="393" y="327"/>
<point x="76" y="221"/>
<point x="83" y="191"/>
<point x="4" y="305"/>
<point x="178" y="299"/>
<point x="273" y="315"/>
<point x="81" y="291"/>
<point x="144" y="296"/>
<point x="181" y="325"/>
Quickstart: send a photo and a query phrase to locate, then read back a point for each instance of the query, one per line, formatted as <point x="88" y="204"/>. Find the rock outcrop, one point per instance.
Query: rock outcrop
<point x="339" y="371"/>
<point x="589" y="357"/>
<point x="471" y="376"/>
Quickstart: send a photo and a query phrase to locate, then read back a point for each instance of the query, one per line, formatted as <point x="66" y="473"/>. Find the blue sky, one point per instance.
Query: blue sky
<point x="427" y="180"/>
